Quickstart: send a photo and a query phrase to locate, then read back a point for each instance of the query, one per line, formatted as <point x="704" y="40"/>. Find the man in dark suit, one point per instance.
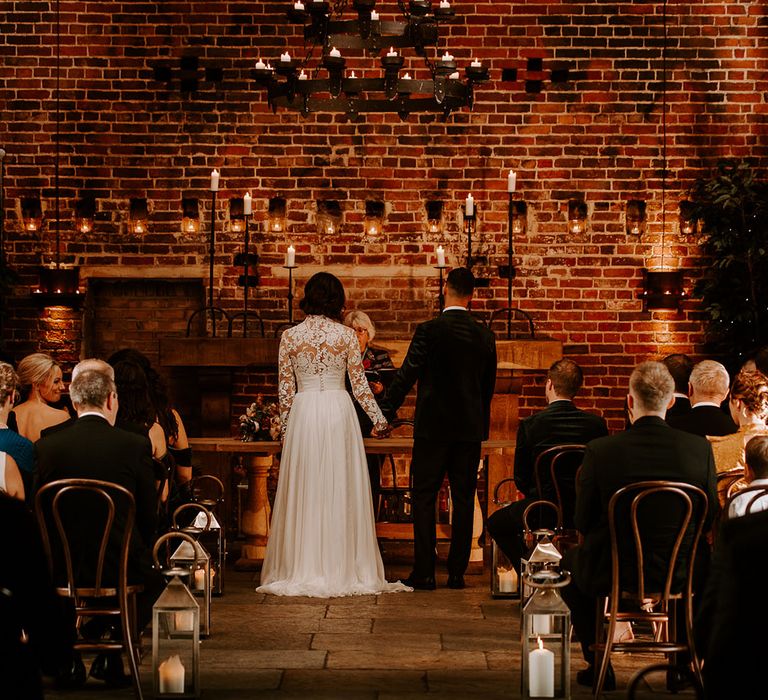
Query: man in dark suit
<point x="560" y="423"/>
<point x="708" y="388"/>
<point x="680" y="367"/>
<point x="453" y="358"/>
<point x="92" y="448"/>
<point x="649" y="450"/>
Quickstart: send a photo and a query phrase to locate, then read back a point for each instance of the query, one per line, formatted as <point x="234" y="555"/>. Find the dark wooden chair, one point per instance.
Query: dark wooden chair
<point x="641" y="677"/>
<point x="555" y="474"/>
<point x="58" y="505"/>
<point x="653" y="581"/>
<point x="726" y="480"/>
<point x="751" y="495"/>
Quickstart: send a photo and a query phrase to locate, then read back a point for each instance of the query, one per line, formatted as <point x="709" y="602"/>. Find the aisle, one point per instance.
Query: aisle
<point x="439" y="644"/>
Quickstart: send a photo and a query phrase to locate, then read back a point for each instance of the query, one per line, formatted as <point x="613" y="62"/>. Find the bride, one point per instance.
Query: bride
<point x="322" y="541"/>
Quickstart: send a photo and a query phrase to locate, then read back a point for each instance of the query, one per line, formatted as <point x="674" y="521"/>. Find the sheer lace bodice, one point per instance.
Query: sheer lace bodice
<point x="315" y="356"/>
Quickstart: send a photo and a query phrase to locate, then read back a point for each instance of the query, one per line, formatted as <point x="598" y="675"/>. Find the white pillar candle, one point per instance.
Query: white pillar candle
<point x="184" y="620"/>
<point x="541" y="673"/>
<point x="507" y="580"/>
<point x="476" y="64"/>
<point x="511" y="181"/>
<point x="335" y="53"/>
<point x="445" y="5"/>
<point x="171" y="675"/>
<point x="352" y="75"/>
<point x="440" y="256"/>
<point x="454" y="75"/>
<point x="469" y="205"/>
<point x="199" y="579"/>
<point x="542" y="624"/>
<point x="447" y="57"/>
<point x="215" y="180"/>
<point x="374" y="15"/>
<point x="303" y="75"/>
<point x="298" y="5"/>
<point x="290" y="256"/>
<point x="391" y="51"/>
<point x="260" y="64"/>
<point x="247" y="203"/>
<point x="407" y="76"/>
<point x="285" y="57"/>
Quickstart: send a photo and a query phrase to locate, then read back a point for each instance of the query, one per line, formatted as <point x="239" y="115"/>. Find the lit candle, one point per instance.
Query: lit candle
<point x="469" y="206"/>
<point x="298" y="5"/>
<point x="391" y="51"/>
<point x="476" y="64"/>
<point x="285" y="57"/>
<point x="447" y="57"/>
<point x="511" y="181"/>
<point x="374" y="15"/>
<point x="171" y="675"/>
<point x="335" y="53"/>
<point x="454" y="75"/>
<point x="352" y="75"/>
<point x="184" y="621"/>
<point x="199" y="579"/>
<point x="507" y="580"/>
<point x="247" y="202"/>
<point x="542" y="624"/>
<point x="290" y="256"/>
<point x="303" y="75"/>
<point x="407" y="76"/>
<point x="260" y="65"/>
<point x="541" y="672"/>
<point x="440" y="256"/>
<point x="215" y="180"/>
<point x="445" y="5"/>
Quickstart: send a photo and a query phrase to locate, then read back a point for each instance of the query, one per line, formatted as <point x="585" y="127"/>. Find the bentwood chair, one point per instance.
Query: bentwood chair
<point x="641" y="677"/>
<point x="655" y="528"/>
<point x="726" y="481"/>
<point x="753" y="500"/>
<point x="86" y="527"/>
<point x="555" y="473"/>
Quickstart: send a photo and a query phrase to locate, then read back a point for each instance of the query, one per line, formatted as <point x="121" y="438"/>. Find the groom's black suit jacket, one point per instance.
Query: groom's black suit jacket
<point x="453" y="358"/>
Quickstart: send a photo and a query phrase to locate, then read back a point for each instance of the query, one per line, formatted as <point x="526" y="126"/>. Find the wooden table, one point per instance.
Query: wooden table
<point x="259" y="458"/>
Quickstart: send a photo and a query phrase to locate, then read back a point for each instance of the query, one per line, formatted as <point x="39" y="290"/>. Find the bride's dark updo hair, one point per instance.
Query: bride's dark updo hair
<point x="323" y="296"/>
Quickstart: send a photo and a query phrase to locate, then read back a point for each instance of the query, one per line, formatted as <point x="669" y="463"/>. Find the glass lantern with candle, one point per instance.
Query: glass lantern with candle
<point x="198" y="562"/>
<point x="504" y="581"/>
<point x="176" y="643"/>
<point x="206" y="530"/>
<point x="543" y="556"/>
<point x="545" y="637"/>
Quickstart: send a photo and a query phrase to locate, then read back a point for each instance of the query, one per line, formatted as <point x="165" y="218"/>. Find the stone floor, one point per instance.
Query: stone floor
<point x="440" y="644"/>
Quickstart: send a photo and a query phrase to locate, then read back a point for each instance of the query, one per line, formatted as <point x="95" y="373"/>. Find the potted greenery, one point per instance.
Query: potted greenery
<point x="731" y="207"/>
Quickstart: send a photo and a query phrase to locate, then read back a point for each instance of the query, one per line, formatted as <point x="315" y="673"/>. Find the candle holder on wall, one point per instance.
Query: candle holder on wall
<point x="246" y="259"/>
<point x="470" y="221"/>
<point x="440" y="293"/>
<point x="289" y="296"/>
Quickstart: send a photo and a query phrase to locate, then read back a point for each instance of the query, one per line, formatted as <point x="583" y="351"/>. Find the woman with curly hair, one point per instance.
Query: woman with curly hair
<point x="41" y="375"/>
<point x="749" y="410"/>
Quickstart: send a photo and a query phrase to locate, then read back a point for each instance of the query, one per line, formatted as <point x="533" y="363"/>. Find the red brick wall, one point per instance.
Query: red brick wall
<point x="124" y="134"/>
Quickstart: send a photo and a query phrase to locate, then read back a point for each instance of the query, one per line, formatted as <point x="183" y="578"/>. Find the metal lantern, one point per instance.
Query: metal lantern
<point x="206" y="529"/>
<point x="198" y="562"/>
<point x="543" y="556"/>
<point x="545" y="637"/>
<point x="176" y="643"/>
<point x="504" y="579"/>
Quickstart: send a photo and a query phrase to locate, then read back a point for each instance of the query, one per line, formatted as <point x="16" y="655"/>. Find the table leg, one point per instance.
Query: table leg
<point x="257" y="513"/>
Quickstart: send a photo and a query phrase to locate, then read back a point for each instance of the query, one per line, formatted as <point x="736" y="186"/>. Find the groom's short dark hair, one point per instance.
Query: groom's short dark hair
<point x="461" y="281"/>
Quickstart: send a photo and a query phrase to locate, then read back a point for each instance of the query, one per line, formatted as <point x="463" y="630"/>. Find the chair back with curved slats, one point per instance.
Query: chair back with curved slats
<point x="555" y="473"/>
<point x="726" y="480"/>
<point x="752" y="497"/>
<point x="79" y="511"/>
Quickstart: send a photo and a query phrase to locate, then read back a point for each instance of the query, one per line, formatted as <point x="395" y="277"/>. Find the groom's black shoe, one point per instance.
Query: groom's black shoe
<point x="426" y="583"/>
<point x="456" y="581"/>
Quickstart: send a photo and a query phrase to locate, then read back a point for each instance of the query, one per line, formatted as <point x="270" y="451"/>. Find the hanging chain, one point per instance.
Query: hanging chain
<point x="664" y="132"/>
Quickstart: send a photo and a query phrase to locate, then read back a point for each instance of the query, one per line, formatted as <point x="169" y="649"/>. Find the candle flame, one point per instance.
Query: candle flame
<point x="541" y="644"/>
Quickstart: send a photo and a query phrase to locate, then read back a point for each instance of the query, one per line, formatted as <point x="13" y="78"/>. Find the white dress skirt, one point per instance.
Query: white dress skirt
<point x="322" y="541"/>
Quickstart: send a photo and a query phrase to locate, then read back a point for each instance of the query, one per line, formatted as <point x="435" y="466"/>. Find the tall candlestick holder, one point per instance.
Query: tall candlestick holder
<point x="288" y="323"/>
<point x="470" y="221"/>
<point x="246" y="259"/>
<point x="440" y="294"/>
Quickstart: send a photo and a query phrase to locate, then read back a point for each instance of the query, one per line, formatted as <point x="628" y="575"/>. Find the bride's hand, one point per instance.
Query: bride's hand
<point x="382" y="431"/>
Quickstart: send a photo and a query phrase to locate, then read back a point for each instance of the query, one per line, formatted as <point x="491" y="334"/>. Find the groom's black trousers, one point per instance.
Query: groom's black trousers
<point x="430" y="463"/>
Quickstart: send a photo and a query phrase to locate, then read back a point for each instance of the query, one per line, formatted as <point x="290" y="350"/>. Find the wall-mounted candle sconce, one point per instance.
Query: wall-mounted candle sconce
<point x="190" y="212"/>
<point x="328" y="216"/>
<point x="236" y="215"/>
<point x="374" y="217"/>
<point x="519" y="217"/>
<point x="687" y="217"/>
<point x="662" y="289"/>
<point x="577" y="215"/>
<point x="276" y="217"/>
<point x="31" y="214"/>
<point x="434" y="216"/>
<point x="636" y="217"/>
<point x="139" y="215"/>
<point x="85" y="213"/>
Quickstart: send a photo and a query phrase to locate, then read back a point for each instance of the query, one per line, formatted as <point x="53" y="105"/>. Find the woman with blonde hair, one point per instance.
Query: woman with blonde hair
<point x="749" y="410"/>
<point x="41" y="374"/>
<point x="10" y="477"/>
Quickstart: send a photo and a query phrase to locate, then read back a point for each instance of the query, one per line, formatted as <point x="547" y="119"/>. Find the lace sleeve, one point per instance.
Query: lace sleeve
<point x="360" y="387"/>
<point x="286" y="386"/>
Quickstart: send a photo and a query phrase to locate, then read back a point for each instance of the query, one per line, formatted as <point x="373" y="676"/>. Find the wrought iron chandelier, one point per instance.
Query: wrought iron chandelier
<point x="300" y="85"/>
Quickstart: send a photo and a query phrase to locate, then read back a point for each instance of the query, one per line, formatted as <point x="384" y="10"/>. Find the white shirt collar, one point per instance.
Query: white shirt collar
<point x="92" y="413"/>
<point x="678" y="395"/>
<point x="706" y="403"/>
<point x="454" y="308"/>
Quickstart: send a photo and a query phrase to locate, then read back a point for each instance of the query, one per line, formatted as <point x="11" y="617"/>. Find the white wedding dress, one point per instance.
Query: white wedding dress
<point x="322" y="541"/>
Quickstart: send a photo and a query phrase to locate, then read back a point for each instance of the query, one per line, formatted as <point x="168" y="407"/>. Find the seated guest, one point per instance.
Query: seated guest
<point x="707" y="388"/>
<point x="374" y="360"/>
<point x="34" y="636"/>
<point x="756" y="458"/>
<point x="560" y="423"/>
<point x="680" y="367"/>
<point x="649" y="450"/>
<point x="92" y="448"/>
<point x="42" y="376"/>
<point x="16" y="451"/>
<point x="749" y="410"/>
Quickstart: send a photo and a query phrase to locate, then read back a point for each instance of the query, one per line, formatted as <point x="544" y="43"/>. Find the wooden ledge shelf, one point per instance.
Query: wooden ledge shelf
<point x="218" y="352"/>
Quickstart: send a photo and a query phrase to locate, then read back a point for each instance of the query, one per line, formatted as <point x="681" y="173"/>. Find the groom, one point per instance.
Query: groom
<point x="453" y="358"/>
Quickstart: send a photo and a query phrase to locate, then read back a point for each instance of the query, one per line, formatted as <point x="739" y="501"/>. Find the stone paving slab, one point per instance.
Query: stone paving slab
<point x="374" y="642"/>
<point x="411" y="659"/>
<point x="395" y="681"/>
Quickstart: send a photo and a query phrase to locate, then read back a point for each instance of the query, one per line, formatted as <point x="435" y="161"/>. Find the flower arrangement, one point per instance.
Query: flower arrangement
<point x="261" y="421"/>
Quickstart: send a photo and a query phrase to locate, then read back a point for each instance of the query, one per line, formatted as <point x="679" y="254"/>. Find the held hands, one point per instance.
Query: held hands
<point x="381" y="431"/>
